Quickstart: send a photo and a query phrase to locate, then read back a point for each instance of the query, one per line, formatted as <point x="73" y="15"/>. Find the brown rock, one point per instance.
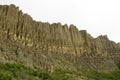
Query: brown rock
<point x="53" y="45"/>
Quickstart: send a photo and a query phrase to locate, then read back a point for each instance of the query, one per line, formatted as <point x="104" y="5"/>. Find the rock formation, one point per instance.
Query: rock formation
<point x="53" y="46"/>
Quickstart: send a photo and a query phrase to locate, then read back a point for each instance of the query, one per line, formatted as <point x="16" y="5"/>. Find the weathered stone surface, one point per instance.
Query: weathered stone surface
<point x="50" y="46"/>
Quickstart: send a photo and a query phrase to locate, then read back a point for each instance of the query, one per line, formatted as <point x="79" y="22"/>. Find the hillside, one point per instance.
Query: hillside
<point x="54" y="47"/>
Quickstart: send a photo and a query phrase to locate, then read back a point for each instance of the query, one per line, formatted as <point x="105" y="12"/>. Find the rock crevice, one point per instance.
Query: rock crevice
<point x="73" y="46"/>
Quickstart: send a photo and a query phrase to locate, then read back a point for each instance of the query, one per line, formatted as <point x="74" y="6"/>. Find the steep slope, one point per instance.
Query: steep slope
<point x="53" y="46"/>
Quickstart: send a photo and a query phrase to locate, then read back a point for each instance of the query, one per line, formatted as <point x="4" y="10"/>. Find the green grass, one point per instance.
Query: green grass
<point x="115" y="75"/>
<point x="12" y="71"/>
<point x="9" y="71"/>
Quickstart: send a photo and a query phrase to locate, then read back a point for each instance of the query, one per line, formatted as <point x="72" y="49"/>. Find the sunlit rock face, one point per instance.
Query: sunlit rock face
<point x="53" y="46"/>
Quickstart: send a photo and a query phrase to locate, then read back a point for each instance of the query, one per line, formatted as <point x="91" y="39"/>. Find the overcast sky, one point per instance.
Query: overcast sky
<point x="96" y="16"/>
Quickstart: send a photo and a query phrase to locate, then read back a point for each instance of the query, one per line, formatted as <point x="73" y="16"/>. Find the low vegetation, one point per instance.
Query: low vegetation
<point x="12" y="71"/>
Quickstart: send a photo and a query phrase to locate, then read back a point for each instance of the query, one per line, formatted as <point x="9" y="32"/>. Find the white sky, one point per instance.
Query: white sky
<point x="96" y="16"/>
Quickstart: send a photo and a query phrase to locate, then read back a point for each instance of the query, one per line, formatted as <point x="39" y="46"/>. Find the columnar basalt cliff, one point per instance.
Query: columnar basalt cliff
<point x="53" y="46"/>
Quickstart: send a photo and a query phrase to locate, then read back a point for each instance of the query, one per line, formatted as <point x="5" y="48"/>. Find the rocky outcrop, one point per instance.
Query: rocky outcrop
<point x="52" y="46"/>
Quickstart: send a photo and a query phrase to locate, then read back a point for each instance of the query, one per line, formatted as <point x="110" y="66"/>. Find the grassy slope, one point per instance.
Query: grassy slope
<point x="10" y="71"/>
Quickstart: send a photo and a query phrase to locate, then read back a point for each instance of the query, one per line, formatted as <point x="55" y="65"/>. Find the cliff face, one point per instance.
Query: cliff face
<point x="53" y="46"/>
